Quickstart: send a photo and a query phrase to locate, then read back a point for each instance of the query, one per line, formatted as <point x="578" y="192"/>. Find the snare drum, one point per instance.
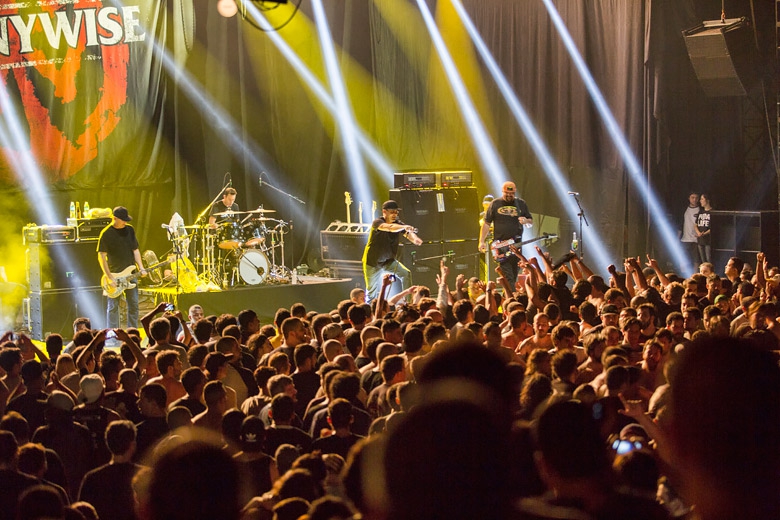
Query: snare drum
<point x="253" y="266"/>
<point x="229" y="235"/>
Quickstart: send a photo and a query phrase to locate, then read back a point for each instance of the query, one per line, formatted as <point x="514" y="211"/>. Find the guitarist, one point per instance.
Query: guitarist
<point x="508" y="215"/>
<point x="118" y="249"/>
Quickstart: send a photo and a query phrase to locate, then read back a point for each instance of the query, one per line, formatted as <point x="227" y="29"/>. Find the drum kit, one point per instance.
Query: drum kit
<point x="245" y="248"/>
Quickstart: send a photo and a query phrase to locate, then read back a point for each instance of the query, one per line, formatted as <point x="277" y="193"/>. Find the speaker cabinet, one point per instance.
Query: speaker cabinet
<point x="440" y="214"/>
<point x="723" y="56"/>
<point x="55" y="311"/>
<point x="424" y="261"/>
<point x="743" y="234"/>
<point x="344" y="242"/>
<point x="65" y="265"/>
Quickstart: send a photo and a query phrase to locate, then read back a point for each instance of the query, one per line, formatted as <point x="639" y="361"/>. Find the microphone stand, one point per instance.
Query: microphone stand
<point x="211" y="273"/>
<point x="208" y="208"/>
<point x="581" y="217"/>
<point x="289" y="196"/>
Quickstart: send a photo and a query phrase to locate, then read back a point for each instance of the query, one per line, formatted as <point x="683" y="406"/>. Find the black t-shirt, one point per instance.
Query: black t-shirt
<point x="119" y="244"/>
<point x="335" y="444"/>
<point x="703" y="223"/>
<point x="382" y="245"/>
<point x="109" y="489"/>
<point x="503" y="215"/>
<point x="219" y="207"/>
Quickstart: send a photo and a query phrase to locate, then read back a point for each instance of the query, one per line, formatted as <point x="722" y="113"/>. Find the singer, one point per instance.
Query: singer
<point x="509" y="215"/>
<point x="382" y="247"/>
<point x="227" y="204"/>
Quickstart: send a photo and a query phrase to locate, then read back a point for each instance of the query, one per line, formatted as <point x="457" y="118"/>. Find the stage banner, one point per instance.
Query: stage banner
<point x="84" y="86"/>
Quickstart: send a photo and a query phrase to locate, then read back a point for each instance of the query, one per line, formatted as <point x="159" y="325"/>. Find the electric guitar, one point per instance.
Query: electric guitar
<point x="501" y="249"/>
<point x="348" y="203"/>
<point x="124" y="280"/>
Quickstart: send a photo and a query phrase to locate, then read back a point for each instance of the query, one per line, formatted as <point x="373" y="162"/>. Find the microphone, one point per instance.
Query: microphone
<point x="230" y="179"/>
<point x="260" y="180"/>
<point x="166" y="226"/>
<point x="575" y="193"/>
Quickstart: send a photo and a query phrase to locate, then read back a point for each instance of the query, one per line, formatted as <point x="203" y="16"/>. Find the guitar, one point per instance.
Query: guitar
<point x="124" y="280"/>
<point x="348" y="203"/>
<point x="499" y="249"/>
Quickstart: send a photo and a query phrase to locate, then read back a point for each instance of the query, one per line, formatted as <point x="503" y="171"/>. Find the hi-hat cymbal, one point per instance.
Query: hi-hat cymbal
<point x="230" y="213"/>
<point x="262" y="211"/>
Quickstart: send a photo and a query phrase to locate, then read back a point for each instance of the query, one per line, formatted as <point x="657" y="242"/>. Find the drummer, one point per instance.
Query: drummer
<point x="226" y="205"/>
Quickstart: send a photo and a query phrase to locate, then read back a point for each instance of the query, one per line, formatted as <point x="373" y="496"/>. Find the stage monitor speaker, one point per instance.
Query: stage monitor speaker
<point x="54" y="311"/>
<point x="723" y="56"/>
<point x="64" y="265"/>
<point x="743" y="234"/>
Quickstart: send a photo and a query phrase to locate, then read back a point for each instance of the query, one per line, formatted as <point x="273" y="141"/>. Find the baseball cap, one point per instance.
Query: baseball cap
<point x="121" y="213"/>
<point x="60" y="400"/>
<point x="91" y="388"/>
<point x="609" y="309"/>
<point x="721" y="297"/>
<point x="331" y="331"/>
<point x="390" y="204"/>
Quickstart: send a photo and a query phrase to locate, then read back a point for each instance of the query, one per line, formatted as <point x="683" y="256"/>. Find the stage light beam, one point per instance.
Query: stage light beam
<point x="540" y="149"/>
<point x="654" y="206"/>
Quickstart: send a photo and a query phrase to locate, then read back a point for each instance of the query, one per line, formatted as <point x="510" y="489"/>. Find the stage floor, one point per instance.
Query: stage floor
<point x="316" y="293"/>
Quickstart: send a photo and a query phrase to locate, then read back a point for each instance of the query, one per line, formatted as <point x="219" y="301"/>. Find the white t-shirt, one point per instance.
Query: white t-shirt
<point x="689" y="225"/>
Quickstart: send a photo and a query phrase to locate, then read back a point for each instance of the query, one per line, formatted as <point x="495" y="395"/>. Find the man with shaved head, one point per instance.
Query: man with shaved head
<point x="508" y="215"/>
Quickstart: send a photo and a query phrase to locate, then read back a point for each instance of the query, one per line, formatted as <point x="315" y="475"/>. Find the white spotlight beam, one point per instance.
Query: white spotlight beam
<point x="375" y="157"/>
<point x="344" y="112"/>
<point x="632" y="165"/>
<point x="483" y="144"/>
<point x="31" y="178"/>
<point x="549" y="165"/>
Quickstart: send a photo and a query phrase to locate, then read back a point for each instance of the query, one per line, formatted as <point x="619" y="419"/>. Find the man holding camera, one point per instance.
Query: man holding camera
<point x="382" y="247"/>
<point x="117" y="250"/>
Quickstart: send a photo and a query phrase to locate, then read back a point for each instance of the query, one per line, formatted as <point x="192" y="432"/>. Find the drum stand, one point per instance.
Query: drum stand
<point x="279" y="271"/>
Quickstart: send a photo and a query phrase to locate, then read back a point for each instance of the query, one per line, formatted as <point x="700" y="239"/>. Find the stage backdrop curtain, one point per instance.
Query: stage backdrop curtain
<point x="157" y="104"/>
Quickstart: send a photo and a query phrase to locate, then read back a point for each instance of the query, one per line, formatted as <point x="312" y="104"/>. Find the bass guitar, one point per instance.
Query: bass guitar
<point x="124" y="280"/>
<point x="501" y="249"/>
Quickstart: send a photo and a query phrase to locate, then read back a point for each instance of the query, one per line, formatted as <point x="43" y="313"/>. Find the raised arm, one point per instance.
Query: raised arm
<point x="140" y="359"/>
<point x="380" y="302"/>
<point x="444" y="298"/>
<point x="653" y="264"/>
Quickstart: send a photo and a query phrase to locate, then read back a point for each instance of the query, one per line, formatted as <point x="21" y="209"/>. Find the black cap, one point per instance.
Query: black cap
<point x="609" y="309"/>
<point x="121" y="213"/>
<point x="390" y="204"/>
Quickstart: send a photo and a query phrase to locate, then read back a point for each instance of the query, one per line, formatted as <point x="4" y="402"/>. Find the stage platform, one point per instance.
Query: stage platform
<point x="316" y="293"/>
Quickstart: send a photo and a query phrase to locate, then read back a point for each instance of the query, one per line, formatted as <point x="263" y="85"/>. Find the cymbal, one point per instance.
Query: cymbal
<point x="229" y="213"/>
<point x="262" y="219"/>
<point x="262" y="211"/>
<point x="193" y="227"/>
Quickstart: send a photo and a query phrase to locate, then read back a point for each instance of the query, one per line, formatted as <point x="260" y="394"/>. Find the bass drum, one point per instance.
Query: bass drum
<point x="253" y="266"/>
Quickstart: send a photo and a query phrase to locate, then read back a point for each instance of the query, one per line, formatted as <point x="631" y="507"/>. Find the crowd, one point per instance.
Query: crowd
<point x="562" y="396"/>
